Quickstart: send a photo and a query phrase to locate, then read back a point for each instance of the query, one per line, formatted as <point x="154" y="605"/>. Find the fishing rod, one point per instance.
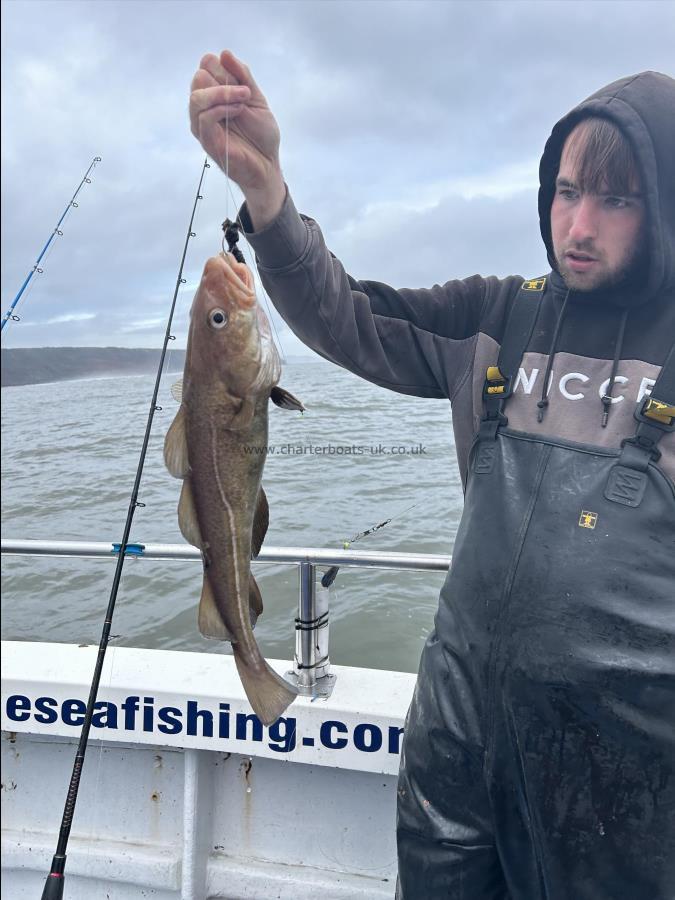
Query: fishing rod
<point x="9" y="315"/>
<point x="53" y="889"/>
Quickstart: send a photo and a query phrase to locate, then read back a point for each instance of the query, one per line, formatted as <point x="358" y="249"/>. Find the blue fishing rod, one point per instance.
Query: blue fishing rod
<point x="53" y="889"/>
<point x="9" y="315"/>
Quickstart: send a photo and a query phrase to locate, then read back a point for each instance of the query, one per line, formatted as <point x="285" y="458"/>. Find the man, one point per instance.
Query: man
<point x="539" y="755"/>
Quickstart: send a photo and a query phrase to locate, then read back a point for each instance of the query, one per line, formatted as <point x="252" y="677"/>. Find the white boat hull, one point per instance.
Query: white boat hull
<point x="211" y="805"/>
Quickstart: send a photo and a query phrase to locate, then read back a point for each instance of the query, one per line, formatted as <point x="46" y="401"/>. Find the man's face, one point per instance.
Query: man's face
<point x="597" y="238"/>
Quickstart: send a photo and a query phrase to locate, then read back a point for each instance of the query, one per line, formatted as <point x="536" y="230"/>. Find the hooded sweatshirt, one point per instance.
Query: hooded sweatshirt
<point x="439" y="341"/>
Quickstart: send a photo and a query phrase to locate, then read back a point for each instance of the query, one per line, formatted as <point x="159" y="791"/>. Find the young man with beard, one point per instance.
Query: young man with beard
<point x="539" y="754"/>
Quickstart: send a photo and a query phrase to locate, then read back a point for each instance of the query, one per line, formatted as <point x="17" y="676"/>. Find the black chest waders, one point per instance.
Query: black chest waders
<point x="539" y="755"/>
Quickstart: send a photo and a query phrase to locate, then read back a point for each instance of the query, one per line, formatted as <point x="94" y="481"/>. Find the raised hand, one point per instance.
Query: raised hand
<point x="230" y="118"/>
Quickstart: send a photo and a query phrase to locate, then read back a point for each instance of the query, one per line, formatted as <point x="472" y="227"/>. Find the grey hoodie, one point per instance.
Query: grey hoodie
<point x="439" y="341"/>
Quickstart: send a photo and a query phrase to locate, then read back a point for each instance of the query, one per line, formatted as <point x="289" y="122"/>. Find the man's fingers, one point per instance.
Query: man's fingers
<point x="202" y="79"/>
<point x="207" y="59"/>
<point x="230" y="117"/>
<point x="203" y="122"/>
<point x="218" y="95"/>
<point x="241" y="73"/>
<point x="228" y="70"/>
<point x="221" y="74"/>
<point x="217" y="115"/>
<point x="208" y="127"/>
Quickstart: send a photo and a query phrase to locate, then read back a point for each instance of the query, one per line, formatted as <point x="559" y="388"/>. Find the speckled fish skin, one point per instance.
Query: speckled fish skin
<point x="217" y="444"/>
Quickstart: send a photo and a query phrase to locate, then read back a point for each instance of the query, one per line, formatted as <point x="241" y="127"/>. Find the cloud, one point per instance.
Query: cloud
<point x="73" y="317"/>
<point x="410" y="131"/>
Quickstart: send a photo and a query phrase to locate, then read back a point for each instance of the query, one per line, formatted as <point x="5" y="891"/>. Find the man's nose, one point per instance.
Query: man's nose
<point x="584" y="220"/>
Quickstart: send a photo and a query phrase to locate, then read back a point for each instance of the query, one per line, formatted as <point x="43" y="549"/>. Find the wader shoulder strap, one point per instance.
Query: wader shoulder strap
<point x="655" y="416"/>
<point x="500" y="379"/>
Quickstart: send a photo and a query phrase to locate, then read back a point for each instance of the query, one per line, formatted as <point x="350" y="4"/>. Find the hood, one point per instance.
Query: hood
<point x="643" y="107"/>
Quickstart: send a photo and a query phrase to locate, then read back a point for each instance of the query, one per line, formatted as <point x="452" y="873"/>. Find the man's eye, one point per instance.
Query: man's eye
<point x="567" y="193"/>
<point x="616" y="202"/>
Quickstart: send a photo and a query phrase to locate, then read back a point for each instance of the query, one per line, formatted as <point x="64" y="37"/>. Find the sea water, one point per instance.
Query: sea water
<point x="359" y="455"/>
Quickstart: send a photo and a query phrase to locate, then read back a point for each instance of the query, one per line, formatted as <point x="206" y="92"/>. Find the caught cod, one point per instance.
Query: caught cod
<point x="217" y="444"/>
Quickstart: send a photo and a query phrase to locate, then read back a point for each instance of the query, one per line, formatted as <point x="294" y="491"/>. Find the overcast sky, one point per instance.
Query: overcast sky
<point x="410" y="130"/>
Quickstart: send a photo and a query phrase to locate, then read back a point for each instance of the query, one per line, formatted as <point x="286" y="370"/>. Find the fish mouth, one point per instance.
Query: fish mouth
<point x="228" y="283"/>
<point x="239" y="280"/>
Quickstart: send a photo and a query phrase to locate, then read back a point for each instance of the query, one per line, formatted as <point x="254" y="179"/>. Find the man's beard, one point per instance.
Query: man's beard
<point x="631" y="272"/>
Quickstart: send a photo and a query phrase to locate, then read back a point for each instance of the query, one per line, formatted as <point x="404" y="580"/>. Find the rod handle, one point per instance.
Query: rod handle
<point x="53" y="889"/>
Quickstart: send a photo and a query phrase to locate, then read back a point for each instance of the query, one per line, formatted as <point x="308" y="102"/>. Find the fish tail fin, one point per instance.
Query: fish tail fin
<point x="267" y="692"/>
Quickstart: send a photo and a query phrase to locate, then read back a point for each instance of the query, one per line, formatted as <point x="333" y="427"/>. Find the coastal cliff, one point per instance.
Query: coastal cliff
<point x="38" y="365"/>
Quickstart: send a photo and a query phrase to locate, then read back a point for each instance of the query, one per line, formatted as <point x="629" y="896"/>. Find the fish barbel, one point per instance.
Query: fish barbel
<point x="217" y="444"/>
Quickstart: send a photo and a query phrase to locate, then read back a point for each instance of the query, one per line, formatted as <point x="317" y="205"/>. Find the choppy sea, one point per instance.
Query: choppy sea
<point x="69" y="457"/>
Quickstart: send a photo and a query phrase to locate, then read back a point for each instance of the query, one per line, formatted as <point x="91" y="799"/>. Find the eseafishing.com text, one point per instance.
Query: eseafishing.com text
<point x="138" y="713"/>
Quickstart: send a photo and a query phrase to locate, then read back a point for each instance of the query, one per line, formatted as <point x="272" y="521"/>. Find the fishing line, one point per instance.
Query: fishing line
<point x="227" y="152"/>
<point x="53" y="889"/>
<point x="256" y="277"/>
<point x="9" y="315"/>
<point x="227" y="163"/>
<point x="330" y="574"/>
<point x="229" y="193"/>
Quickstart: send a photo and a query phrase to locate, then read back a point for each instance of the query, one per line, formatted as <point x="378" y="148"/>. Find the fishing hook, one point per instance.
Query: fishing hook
<point x="231" y="235"/>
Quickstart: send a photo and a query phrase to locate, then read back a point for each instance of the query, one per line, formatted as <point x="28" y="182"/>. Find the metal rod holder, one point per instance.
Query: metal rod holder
<point x="311" y="670"/>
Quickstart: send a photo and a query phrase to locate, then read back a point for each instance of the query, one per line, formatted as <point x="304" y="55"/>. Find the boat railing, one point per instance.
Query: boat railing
<point x="311" y="666"/>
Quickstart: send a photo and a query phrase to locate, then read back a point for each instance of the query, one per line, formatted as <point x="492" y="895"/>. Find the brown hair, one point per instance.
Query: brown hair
<point x="601" y="158"/>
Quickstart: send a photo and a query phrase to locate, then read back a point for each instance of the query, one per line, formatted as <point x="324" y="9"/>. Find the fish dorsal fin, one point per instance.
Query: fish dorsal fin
<point x="210" y="622"/>
<point x="187" y="516"/>
<point x="175" y="446"/>
<point x="285" y="399"/>
<point x="255" y="604"/>
<point x="261" y="521"/>
<point x="177" y="390"/>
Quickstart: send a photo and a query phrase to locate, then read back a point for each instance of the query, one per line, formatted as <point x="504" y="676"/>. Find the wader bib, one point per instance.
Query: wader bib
<point x="539" y="755"/>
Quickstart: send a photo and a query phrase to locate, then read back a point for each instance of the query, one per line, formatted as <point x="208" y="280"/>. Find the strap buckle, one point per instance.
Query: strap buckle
<point x="657" y="413"/>
<point x="497" y="387"/>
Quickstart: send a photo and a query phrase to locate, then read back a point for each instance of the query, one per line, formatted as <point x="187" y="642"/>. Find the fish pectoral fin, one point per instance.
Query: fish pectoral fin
<point x="175" y="446"/>
<point x="244" y="415"/>
<point x="267" y="692"/>
<point x="177" y="390"/>
<point x="285" y="399"/>
<point x="187" y="516"/>
<point x="255" y="603"/>
<point x="261" y="521"/>
<point x="211" y="624"/>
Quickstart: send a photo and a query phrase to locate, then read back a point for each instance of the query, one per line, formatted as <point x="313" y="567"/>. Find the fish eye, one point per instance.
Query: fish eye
<point x="218" y="318"/>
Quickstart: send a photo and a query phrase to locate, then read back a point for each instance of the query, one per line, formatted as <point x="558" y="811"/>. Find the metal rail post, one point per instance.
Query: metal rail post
<point x="311" y="669"/>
